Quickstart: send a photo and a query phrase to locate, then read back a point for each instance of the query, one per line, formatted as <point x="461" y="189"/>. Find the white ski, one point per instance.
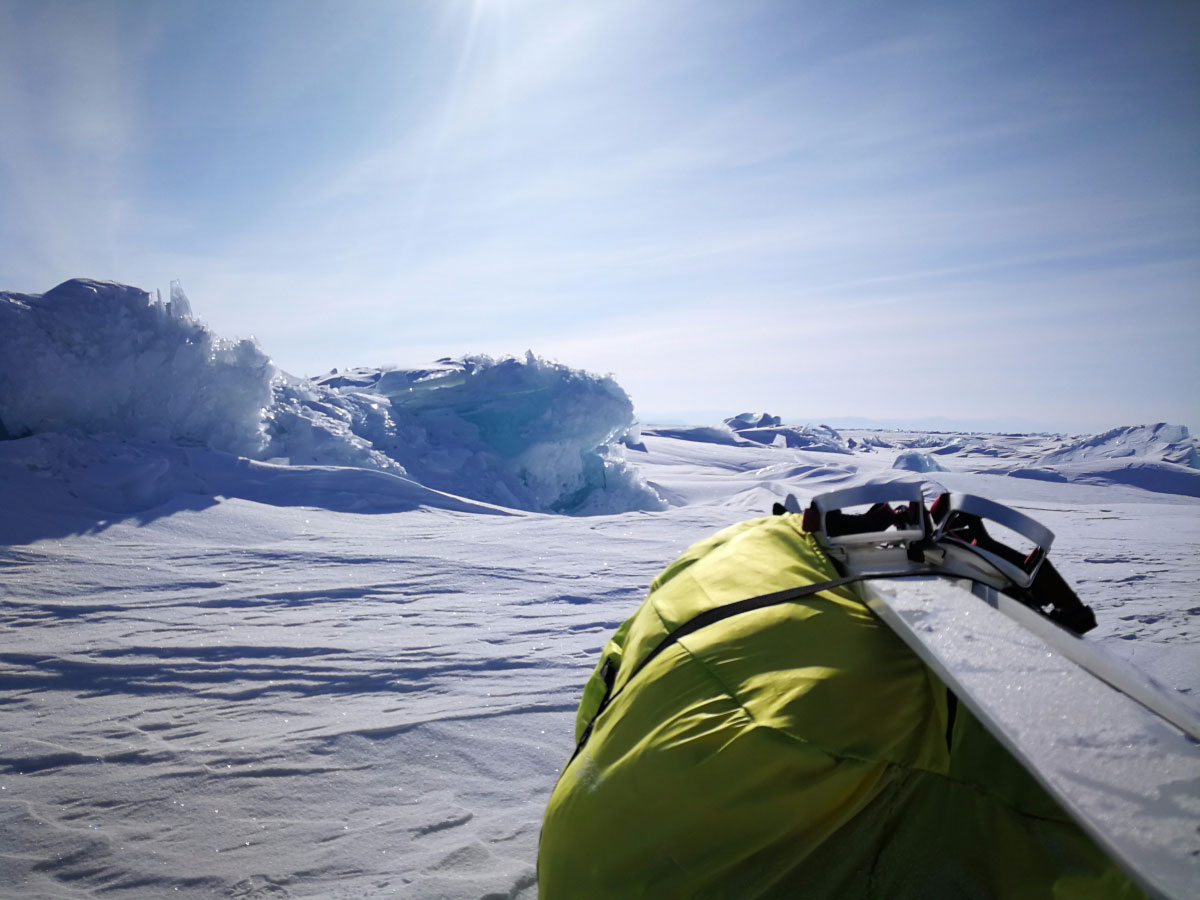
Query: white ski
<point x="1117" y="751"/>
<point x="1128" y="776"/>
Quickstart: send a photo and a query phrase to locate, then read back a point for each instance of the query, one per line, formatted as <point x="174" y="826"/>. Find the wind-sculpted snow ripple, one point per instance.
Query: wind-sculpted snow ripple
<point x="380" y="707"/>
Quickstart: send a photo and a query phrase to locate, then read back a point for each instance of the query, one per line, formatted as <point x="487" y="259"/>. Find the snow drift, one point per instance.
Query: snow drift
<point x="1147" y="474"/>
<point x="763" y="428"/>
<point x="109" y="361"/>
<point x="1160" y="458"/>
<point x="703" y="434"/>
<point x="916" y="461"/>
<point x="1167" y="443"/>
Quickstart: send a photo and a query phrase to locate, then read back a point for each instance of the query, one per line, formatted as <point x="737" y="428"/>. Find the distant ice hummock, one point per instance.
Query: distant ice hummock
<point x="1168" y="443"/>
<point x="103" y="359"/>
<point x="1158" y="457"/>
<point x="764" y="428"/>
<point x="525" y="433"/>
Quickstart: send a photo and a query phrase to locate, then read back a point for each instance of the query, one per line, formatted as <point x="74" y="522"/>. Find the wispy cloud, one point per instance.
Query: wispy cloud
<point x="70" y="140"/>
<point x="724" y="182"/>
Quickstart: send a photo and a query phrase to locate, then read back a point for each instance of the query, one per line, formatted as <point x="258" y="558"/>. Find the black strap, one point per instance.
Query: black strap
<point x="1049" y="593"/>
<point x="717" y="614"/>
<point x="951" y="715"/>
<point x="1048" y="589"/>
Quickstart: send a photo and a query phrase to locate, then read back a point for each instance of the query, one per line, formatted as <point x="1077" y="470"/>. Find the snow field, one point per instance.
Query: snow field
<point x="238" y="698"/>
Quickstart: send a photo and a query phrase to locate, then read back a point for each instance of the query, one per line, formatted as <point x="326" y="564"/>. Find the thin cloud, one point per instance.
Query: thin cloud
<point x="71" y="131"/>
<point x="706" y="180"/>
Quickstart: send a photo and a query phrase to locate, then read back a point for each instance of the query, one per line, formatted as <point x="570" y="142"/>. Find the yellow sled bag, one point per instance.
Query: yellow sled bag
<point x="799" y="750"/>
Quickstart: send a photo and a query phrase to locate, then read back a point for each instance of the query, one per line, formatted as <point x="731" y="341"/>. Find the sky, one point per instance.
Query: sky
<point x="987" y="212"/>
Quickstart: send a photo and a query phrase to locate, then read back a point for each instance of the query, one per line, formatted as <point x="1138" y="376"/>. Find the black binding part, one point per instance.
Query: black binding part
<point x="1048" y="593"/>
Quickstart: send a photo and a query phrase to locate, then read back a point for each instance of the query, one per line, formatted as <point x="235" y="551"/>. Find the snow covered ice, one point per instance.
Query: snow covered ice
<point x="277" y="637"/>
<point x="107" y="359"/>
<point x="99" y="357"/>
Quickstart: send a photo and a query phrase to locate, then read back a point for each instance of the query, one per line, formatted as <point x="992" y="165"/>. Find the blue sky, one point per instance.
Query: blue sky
<point x="983" y="211"/>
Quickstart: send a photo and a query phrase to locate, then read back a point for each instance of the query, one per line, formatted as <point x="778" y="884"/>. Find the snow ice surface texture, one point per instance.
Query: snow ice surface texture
<point x="272" y="637"/>
<point x="98" y="358"/>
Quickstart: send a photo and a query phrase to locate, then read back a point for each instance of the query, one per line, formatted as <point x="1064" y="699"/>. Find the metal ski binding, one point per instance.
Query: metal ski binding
<point x="950" y="539"/>
<point x="961" y="535"/>
<point x="881" y="538"/>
